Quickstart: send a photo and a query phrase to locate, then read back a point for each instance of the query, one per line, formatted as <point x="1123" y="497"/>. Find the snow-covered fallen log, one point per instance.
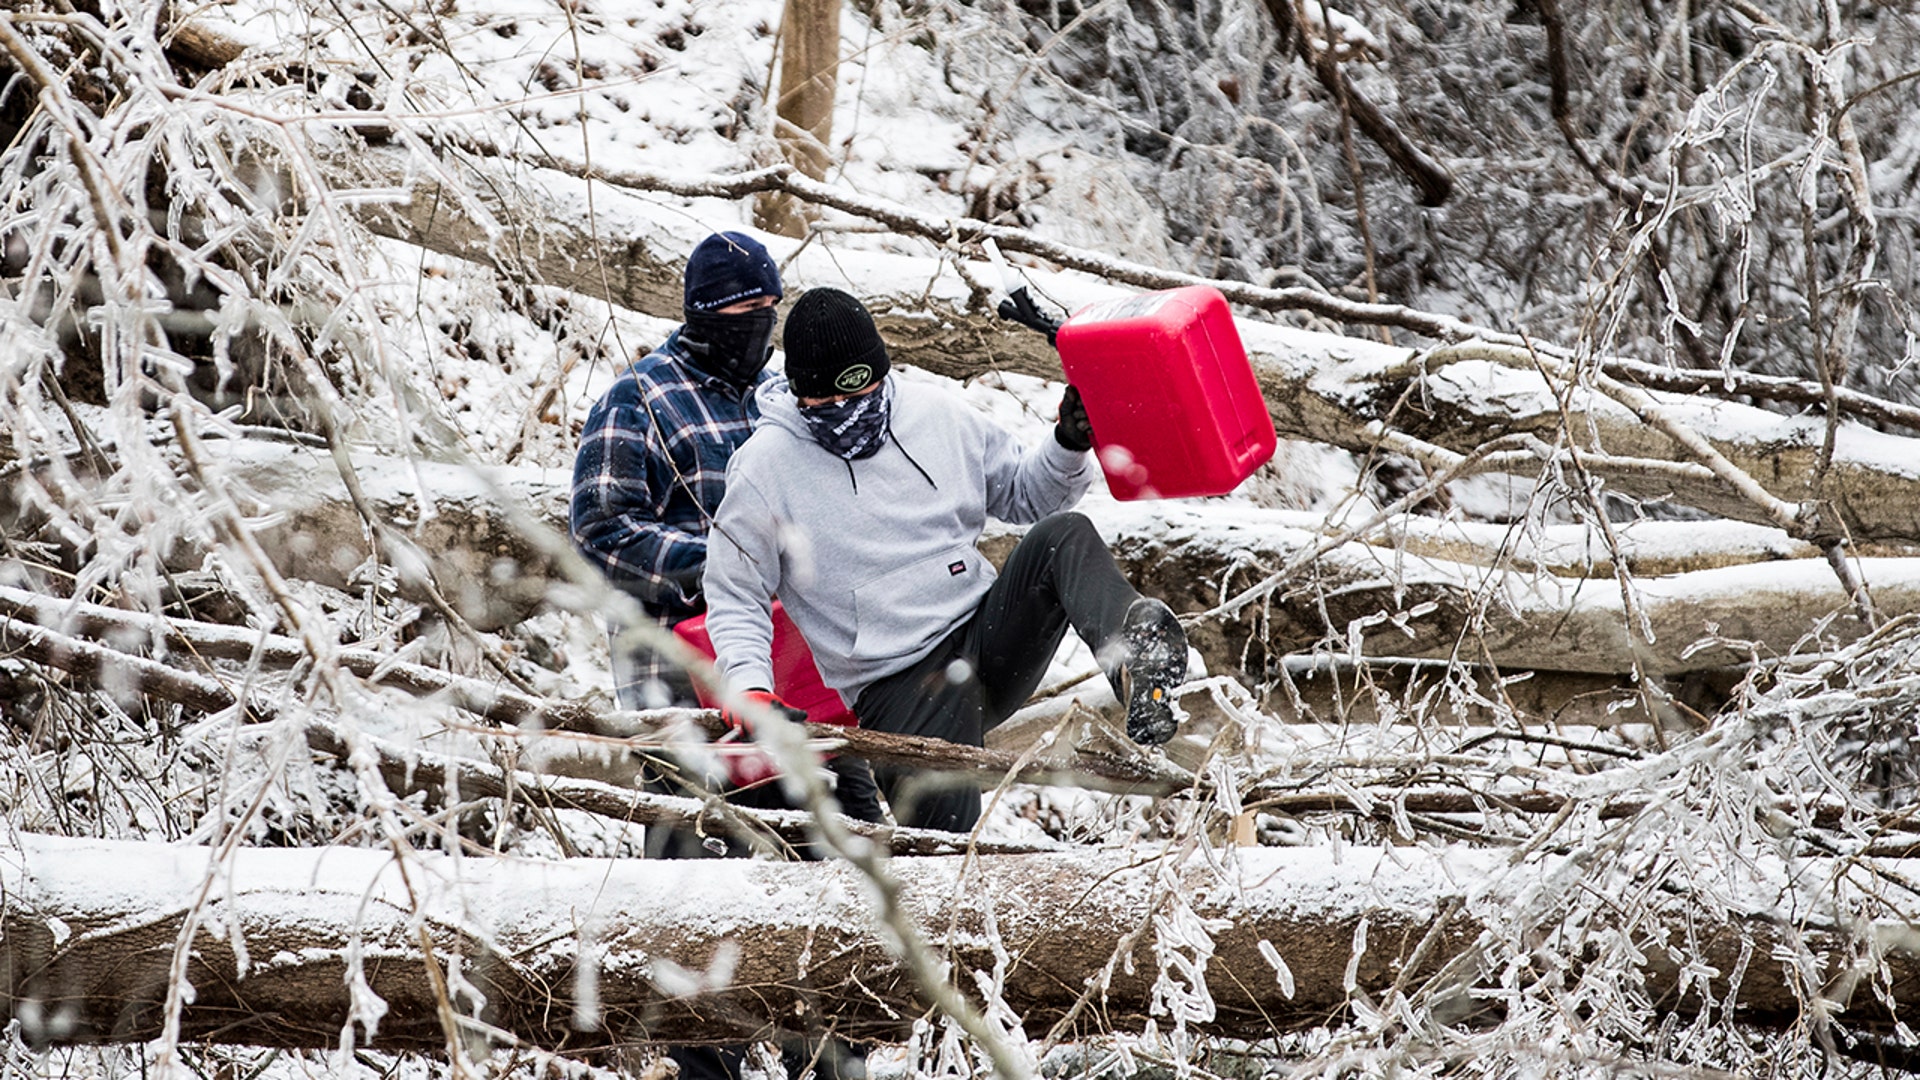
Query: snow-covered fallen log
<point x="1546" y="614"/>
<point x="1249" y="571"/>
<point x="1437" y="405"/>
<point x="286" y="947"/>
<point x="468" y="526"/>
<point x="1553" y="604"/>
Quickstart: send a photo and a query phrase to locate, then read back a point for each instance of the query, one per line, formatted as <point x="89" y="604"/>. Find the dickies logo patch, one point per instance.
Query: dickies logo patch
<point x="956" y="568"/>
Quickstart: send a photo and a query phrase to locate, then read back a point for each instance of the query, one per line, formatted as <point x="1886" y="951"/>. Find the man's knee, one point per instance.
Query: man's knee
<point x="1070" y="526"/>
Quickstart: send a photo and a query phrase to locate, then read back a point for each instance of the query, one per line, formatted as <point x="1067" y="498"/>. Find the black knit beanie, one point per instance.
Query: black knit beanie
<point x="725" y="269"/>
<point x="832" y="346"/>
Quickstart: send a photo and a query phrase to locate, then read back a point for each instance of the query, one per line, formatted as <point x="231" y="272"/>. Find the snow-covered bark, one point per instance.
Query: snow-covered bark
<point x="1493" y="405"/>
<point x="1413" y="589"/>
<point x="1260" y="577"/>
<point x="296" y="944"/>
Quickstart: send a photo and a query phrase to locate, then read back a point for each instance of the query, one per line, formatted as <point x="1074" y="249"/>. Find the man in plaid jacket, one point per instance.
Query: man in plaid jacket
<point x="653" y="457"/>
<point x="649" y="474"/>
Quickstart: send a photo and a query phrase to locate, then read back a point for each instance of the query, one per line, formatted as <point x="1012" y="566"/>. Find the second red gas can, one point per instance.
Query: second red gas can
<point x="1174" y="404"/>
<point x="796" y="679"/>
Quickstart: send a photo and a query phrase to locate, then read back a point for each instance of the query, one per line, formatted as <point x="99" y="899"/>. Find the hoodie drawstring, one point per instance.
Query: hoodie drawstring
<point x="909" y="457"/>
<point x="854" y="479"/>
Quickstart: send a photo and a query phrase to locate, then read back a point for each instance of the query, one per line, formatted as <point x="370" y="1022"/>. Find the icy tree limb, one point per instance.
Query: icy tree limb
<point x="1428" y="175"/>
<point x="720" y="950"/>
<point x="648" y="282"/>
<point x="1809" y="520"/>
<point x="1548" y="616"/>
<point x="1741" y="462"/>
<point x="407" y="769"/>
<point x="206" y="42"/>
<point x="95" y="642"/>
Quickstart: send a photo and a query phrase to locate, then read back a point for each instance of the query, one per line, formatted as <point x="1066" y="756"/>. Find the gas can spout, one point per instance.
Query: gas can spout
<point x="1019" y="307"/>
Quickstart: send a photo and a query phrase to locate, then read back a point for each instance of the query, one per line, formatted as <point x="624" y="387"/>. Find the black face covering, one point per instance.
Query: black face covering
<point x="734" y="347"/>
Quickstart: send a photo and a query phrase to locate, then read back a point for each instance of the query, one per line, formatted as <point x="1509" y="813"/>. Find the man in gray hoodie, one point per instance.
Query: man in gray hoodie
<point x="859" y="501"/>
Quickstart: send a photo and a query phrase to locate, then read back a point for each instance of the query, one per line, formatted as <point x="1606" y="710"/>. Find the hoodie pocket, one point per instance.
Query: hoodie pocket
<point x="903" y="611"/>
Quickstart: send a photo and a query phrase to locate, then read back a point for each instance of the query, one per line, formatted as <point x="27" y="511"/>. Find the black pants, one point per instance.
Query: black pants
<point x="853" y="785"/>
<point x="832" y="1059"/>
<point x="1059" y="575"/>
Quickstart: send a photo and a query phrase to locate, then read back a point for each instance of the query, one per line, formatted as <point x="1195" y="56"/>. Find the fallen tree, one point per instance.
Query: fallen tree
<point x="1266" y="584"/>
<point x="290" y="947"/>
<point x="1444" y="407"/>
<point x="1295" y="590"/>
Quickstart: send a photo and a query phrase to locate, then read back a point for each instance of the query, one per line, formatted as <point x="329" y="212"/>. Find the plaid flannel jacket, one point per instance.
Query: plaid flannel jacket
<point x="650" y="471"/>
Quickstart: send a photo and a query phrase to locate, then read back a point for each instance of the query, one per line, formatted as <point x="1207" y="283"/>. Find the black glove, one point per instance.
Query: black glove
<point x="1073" y="431"/>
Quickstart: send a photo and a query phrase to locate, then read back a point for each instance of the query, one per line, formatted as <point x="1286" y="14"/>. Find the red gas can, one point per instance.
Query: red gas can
<point x="1174" y="404"/>
<point x="795" y="679"/>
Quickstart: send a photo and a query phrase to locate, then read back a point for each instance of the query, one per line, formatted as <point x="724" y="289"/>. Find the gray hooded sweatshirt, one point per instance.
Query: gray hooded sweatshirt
<point x="875" y="560"/>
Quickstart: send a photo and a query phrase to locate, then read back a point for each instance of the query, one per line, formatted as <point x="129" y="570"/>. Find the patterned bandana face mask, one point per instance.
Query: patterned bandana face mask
<point x="855" y="428"/>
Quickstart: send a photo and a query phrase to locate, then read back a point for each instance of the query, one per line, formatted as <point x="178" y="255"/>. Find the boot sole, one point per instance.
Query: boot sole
<point x="1157" y="647"/>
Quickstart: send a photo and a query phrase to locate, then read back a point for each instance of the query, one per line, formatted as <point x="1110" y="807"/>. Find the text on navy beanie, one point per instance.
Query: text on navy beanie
<point x="727" y="268"/>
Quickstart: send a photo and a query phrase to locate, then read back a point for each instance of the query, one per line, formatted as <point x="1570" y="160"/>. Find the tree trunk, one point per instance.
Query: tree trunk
<point x="1344" y="392"/>
<point x="803" y="114"/>
<point x="1388" y="603"/>
<point x="90" y="927"/>
<point x="1540" y="610"/>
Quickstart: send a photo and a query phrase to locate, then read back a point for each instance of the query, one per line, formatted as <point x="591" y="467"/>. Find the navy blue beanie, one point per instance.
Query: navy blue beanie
<point x="727" y="268"/>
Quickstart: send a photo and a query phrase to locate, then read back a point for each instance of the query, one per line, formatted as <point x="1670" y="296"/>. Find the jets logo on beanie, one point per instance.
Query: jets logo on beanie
<point x="727" y="268"/>
<point x="832" y="346"/>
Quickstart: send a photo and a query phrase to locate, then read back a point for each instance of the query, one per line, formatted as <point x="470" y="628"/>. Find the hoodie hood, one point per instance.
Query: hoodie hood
<point x="780" y="408"/>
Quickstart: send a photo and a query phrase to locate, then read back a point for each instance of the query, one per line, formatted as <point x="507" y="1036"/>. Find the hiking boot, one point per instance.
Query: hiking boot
<point x="1156" y="652"/>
